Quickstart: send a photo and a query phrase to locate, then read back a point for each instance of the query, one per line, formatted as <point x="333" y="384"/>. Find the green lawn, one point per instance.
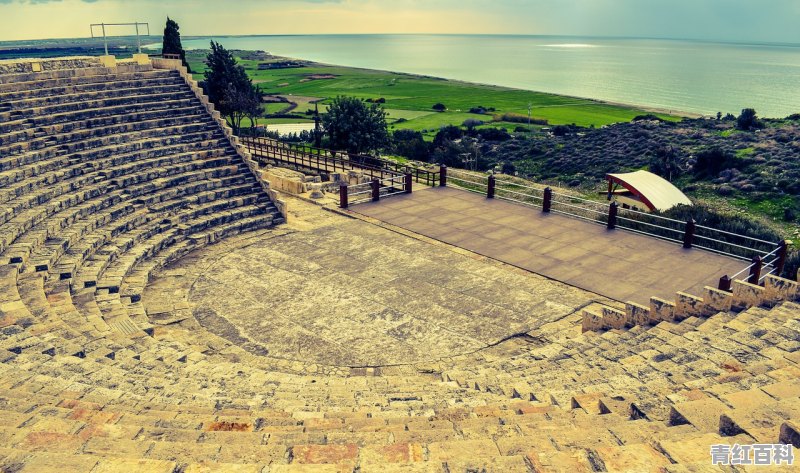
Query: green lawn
<point x="395" y="114"/>
<point x="412" y="97"/>
<point x="275" y="107"/>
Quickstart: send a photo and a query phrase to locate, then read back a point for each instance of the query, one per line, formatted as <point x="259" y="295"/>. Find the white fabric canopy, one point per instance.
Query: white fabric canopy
<point x="653" y="190"/>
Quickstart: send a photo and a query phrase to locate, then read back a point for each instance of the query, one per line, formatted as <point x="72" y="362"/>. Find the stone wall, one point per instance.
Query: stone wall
<point x="287" y="180"/>
<point x="21" y="66"/>
<point x="743" y="296"/>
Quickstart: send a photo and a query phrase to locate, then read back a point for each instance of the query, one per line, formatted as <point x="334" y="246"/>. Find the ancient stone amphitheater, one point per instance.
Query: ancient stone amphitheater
<point x="158" y="313"/>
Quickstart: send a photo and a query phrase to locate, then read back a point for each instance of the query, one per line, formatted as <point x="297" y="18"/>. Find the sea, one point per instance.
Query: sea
<point x="697" y="77"/>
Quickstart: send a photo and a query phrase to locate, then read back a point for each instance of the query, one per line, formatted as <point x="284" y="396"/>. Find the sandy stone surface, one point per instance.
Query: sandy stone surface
<point x="337" y="291"/>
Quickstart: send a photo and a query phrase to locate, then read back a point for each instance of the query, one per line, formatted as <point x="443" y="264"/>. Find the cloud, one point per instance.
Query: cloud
<point x="733" y="20"/>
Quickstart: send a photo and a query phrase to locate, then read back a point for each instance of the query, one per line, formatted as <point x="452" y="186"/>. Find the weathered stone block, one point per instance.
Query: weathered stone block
<point x="613" y="318"/>
<point x="790" y="434"/>
<point x="108" y="61"/>
<point x="687" y="305"/>
<point x="285" y="180"/>
<point x="636" y="314"/>
<point x="717" y="300"/>
<point x="780" y="289"/>
<point x="591" y="321"/>
<point x="746" y="294"/>
<point x="661" y="310"/>
<point x="142" y="59"/>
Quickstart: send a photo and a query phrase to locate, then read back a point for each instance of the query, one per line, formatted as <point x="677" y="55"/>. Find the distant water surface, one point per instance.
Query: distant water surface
<point x="691" y="76"/>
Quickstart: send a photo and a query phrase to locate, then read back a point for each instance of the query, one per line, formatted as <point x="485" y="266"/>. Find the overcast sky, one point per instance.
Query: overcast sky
<point x="726" y="20"/>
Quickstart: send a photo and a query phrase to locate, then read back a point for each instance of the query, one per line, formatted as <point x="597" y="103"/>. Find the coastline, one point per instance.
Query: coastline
<point x="677" y="113"/>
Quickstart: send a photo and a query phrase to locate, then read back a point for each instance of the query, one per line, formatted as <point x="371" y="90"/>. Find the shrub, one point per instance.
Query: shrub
<point x="748" y="120"/>
<point x="648" y="117"/>
<point x="494" y="134"/>
<point x="711" y="161"/>
<point x="447" y="133"/>
<point x="519" y="118"/>
<point x="439" y="107"/>
<point x="471" y="123"/>
<point x="561" y="130"/>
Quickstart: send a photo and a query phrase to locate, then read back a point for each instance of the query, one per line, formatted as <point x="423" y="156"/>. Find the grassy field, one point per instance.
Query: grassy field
<point x="410" y="98"/>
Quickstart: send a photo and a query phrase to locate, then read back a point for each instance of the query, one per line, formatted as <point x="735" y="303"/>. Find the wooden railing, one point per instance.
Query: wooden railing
<point x="374" y="190"/>
<point x="319" y="159"/>
<point x="765" y="257"/>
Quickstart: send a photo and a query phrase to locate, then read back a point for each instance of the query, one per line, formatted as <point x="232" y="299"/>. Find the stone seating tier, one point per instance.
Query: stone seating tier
<point x="107" y="181"/>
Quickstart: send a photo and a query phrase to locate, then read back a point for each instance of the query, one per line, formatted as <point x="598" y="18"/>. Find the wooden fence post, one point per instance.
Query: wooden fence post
<point x="409" y="180"/>
<point x="755" y="270"/>
<point x="612" y="215"/>
<point x="343" y="196"/>
<point x="490" y="187"/>
<point x="783" y="249"/>
<point x="442" y="175"/>
<point x="376" y="189"/>
<point x="547" y="200"/>
<point x="688" y="233"/>
<point x="724" y="283"/>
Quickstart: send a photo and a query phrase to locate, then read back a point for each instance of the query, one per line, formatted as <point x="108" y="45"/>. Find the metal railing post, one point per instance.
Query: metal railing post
<point x="442" y="176"/>
<point x="755" y="270"/>
<point x="376" y="189"/>
<point x="547" y="199"/>
<point x="724" y="283"/>
<point x="612" y="215"/>
<point x="688" y="234"/>
<point x="343" y="196"/>
<point x="409" y="180"/>
<point x="490" y="187"/>
<point x="783" y="248"/>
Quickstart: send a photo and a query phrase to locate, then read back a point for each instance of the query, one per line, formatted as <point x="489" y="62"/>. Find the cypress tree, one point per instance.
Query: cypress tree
<point x="172" y="42"/>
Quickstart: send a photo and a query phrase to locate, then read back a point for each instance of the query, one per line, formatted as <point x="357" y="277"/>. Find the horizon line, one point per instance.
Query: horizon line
<point x="604" y="37"/>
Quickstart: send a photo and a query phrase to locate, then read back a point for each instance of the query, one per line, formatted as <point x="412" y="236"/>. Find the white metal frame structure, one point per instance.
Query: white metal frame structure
<point x="105" y="37"/>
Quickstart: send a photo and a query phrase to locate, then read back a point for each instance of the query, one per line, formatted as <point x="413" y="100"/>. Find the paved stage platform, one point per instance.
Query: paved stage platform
<point x="329" y="293"/>
<point x="614" y="263"/>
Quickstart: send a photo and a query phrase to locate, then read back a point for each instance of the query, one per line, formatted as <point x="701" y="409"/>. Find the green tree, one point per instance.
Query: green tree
<point x="354" y="126"/>
<point x="172" y="42"/>
<point x="439" y="107"/>
<point x="228" y="87"/>
<point x="243" y="102"/>
<point x="410" y="144"/>
<point x="748" y="120"/>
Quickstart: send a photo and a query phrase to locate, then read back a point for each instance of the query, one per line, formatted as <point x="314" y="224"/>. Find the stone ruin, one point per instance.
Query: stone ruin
<point x="118" y="179"/>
